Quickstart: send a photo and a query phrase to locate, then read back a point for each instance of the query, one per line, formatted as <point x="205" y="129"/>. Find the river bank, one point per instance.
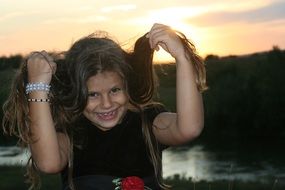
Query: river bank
<point x="12" y="178"/>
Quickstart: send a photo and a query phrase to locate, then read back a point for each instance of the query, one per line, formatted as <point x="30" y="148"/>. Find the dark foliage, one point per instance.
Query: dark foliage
<point x="245" y="101"/>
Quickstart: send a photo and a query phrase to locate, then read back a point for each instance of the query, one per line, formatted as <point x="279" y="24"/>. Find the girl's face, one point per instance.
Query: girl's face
<point x="107" y="100"/>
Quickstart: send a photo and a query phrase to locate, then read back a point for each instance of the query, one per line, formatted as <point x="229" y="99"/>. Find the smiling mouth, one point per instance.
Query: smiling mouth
<point x="107" y="115"/>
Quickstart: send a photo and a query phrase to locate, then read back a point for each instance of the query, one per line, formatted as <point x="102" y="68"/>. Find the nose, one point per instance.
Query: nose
<point x="106" y="102"/>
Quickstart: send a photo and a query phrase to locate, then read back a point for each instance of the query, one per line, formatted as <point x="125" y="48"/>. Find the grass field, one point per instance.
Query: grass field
<point x="11" y="178"/>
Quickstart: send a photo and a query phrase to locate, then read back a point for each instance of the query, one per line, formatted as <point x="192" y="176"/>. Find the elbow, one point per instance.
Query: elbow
<point x="197" y="130"/>
<point x="49" y="167"/>
<point x="190" y="133"/>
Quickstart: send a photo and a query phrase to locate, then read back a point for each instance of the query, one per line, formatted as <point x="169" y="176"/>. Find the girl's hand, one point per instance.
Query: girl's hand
<point x="40" y="67"/>
<point x="164" y="36"/>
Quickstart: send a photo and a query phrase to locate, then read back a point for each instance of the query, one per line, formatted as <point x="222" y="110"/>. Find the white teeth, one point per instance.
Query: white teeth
<point x="107" y="113"/>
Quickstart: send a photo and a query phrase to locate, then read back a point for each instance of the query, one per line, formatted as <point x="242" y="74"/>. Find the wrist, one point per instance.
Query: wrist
<point x="38" y="94"/>
<point x="43" y="78"/>
<point x="37" y="86"/>
<point x="38" y="97"/>
<point x="181" y="58"/>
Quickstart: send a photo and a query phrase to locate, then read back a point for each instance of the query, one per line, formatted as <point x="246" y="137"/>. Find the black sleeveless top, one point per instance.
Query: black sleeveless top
<point x="118" y="152"/>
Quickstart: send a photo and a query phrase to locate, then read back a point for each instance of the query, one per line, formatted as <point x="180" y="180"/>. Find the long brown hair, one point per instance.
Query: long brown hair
<point x="144" y="84"/>
<point x="87" y="57"/>
<point x="16" y="119"/>
<point x="92" y="55"/>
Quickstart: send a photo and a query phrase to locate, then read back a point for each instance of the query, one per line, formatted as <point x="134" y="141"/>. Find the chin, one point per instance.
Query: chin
<point x="106" y="126"/>
<point x="109" y="124"/>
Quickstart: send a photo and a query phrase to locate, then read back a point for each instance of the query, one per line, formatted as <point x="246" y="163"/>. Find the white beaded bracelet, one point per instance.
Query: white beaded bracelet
<point x="39" y="86"/>
<point x="38" y="100"/>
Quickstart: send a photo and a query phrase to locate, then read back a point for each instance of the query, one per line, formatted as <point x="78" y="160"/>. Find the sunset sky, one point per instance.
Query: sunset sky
<point x="219" y="27"/>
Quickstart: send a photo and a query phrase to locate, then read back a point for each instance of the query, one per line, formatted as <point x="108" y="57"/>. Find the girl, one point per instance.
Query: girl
<point x="92" y="118"/>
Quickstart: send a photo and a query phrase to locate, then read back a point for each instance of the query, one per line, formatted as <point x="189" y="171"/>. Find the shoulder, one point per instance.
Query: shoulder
<point x="154" y="109"/>
<point x="150" y="111"/>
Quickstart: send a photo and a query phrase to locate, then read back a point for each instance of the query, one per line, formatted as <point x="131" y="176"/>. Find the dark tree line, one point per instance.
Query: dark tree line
<point x="246" y="97"/>
<point x="245" y="100"/>
<point x="12" y="62"/>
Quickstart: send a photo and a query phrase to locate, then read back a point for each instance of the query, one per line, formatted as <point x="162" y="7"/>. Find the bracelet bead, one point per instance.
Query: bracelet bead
<point x="38" y="100"/>
<point x="39" y="86"/>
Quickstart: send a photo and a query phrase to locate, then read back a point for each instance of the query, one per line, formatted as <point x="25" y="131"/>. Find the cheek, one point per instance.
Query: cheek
<point x="90" y="106"/>
<point x="124" y="99"/>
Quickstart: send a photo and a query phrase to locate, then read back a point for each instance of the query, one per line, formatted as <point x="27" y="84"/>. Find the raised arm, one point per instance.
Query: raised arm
<point x="187" y="123"/>
<point x="49" y="149"/>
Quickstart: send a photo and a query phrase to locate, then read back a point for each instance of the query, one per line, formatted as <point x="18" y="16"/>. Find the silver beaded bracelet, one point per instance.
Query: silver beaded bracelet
<point x="39" y="86"/>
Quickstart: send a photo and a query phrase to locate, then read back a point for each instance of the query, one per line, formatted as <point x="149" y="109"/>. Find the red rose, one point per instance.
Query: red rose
<point x="132" y="183"/>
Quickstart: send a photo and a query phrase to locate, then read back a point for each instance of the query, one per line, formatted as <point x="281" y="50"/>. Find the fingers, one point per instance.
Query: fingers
<point x="167" y="38"/>
<point x="158" y="38"/>
<point x="50" y="60"/>
<point x="46" y="56"/>
<point x="161" y="35"/>
<point x="159" y="27"/>
<point x="42" y="57"/>
<point x="40" y="66"/>
<point x="157" y="33"/>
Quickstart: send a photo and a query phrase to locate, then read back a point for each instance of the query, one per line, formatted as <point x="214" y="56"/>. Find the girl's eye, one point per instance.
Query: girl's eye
<point x="115" y="90"/>
<point x="93" y="94"/>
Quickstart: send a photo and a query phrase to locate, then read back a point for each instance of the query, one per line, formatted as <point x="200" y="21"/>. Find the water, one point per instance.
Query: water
<point x="13" y="156"/>
<point x="195" y="162"/>
<point x="200" y="164"/>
